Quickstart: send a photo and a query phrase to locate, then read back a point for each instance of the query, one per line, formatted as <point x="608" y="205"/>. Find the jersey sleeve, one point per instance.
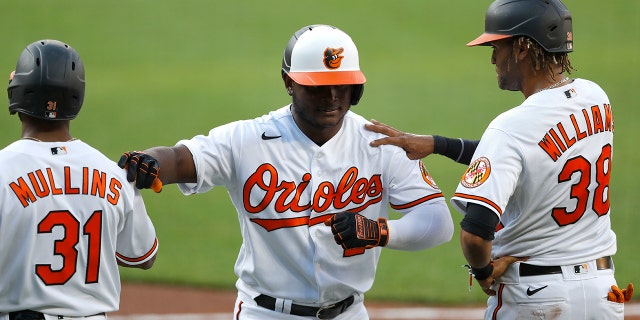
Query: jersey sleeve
<point x="213" y="158"/>
<point x="426" y="220"/>
<point x="493" y="174"/>
<point x="137" y="240"/>
<point x="410" y="183"/>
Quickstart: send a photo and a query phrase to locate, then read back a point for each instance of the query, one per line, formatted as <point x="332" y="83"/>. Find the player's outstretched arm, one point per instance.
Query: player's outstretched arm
<point x="416" y="146"/>
<point x="421" y="146"/>
<point x="144" y="167"/>
<point x="177" y="165"/>
<point x="426" y="226"/>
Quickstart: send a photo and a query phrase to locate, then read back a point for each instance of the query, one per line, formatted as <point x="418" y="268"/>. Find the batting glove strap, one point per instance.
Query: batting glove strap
<point x="383" y="228"/>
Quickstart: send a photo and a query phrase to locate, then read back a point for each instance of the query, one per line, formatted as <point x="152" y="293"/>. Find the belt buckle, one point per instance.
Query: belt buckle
<point x="319" y="314"/>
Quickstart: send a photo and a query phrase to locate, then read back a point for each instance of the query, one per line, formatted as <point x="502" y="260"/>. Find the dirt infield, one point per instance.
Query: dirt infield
<point x="156" y="302"/>
<point x="151" y="302"/>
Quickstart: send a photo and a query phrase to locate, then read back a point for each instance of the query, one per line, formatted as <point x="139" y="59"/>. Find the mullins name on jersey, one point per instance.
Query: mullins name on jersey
<point x="41" y="183"/>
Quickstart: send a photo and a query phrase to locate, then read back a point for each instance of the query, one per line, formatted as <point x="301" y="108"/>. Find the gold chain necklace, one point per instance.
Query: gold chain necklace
<point x="38" y="140"/>
<point x="554" y="85"/>
<point x="31" y="138"/>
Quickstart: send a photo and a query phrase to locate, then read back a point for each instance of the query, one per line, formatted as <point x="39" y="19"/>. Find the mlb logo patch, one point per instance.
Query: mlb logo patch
<point x="56" y="151"/>
<point x="571" y="93"/>
<point x="580" y="268"/>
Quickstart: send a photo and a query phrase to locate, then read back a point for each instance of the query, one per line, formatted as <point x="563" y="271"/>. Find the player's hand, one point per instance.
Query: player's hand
<point x="500" y="265"/>
<point x="353" y="230"/>
<point x="620" y="295"/>
<point x="416" y="146"/>
<point x="141" y="168"/>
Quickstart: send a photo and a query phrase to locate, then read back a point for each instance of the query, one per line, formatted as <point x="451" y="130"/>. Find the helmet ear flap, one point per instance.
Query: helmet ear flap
<point x="356" y="93"/>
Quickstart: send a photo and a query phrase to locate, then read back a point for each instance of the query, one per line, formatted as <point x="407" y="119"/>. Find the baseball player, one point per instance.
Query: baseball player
<point x="68" y="216"/>
<point x="311" y="195"/>
<point x="537" y="231"/>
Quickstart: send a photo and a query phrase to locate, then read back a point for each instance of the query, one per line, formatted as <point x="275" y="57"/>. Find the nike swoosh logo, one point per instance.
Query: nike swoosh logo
<point x="266" y="137"/>
<point x="534" y="291"/>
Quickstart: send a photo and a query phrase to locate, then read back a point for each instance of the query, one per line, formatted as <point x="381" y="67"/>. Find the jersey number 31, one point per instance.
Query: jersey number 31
<point x="66" y="247"/>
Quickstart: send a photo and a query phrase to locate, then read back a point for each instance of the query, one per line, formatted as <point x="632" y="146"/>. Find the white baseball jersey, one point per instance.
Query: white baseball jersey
<point x="544" y="168"/>
<point x="284" y="187"/>
<point x="67" y="213"/>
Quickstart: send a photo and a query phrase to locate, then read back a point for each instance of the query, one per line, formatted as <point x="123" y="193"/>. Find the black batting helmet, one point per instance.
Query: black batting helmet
<point x="48" y="82"/>
<point x="548" y="22"/>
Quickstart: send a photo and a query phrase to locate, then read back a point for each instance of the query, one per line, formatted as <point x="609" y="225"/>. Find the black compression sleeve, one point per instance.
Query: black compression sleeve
<point x="458" y="150"/>
<point x="480" y="221"/>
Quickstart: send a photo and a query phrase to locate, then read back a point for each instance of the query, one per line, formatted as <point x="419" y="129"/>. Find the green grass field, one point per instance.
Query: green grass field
<point x="160" y="71"/>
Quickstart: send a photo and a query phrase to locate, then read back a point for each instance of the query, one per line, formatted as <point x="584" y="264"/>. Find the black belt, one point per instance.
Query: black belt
<point x="527" y="270"/>
<point x="326" y="312"/>
<point x="26" y="315"/>
<point x="31" y="315"/>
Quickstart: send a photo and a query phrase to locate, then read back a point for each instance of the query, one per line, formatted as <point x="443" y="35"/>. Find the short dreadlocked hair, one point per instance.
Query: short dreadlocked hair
<point x="544" y="60"/>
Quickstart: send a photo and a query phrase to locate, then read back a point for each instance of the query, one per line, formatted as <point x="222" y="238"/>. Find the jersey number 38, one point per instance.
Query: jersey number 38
<point x="581" y="189"/>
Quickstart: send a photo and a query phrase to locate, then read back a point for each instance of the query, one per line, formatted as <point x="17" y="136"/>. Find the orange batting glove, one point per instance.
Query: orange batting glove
<point x="620" y="295"/>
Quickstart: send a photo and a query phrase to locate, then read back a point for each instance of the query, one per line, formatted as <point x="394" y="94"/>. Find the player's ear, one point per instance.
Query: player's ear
<point x="288" y="82"/>
<point x="520" y="48"/>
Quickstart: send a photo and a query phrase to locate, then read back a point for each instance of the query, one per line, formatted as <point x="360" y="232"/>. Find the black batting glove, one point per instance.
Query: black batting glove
<point x="353" y="230"/>
<point x="141" y="168"/>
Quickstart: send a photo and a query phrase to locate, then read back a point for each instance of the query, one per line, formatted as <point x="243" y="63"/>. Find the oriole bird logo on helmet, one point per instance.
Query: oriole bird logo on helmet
<point x="332" y="57"/>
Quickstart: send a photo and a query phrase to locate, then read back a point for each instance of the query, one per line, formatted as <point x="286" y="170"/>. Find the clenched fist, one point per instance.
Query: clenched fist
<point x="141" y="168"/>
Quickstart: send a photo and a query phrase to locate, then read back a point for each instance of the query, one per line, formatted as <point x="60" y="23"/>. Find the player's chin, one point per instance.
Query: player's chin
<point x="327" y="122"/>
<point x="503" y="85"/>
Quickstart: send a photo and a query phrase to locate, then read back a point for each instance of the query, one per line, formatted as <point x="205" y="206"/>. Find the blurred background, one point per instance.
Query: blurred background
<point x="160" y="71"/>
